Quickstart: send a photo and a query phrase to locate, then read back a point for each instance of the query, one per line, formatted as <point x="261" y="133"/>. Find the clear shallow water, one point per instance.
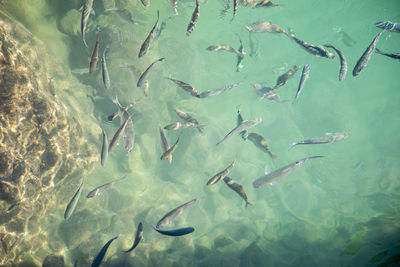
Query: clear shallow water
<point x="341" y="210"/>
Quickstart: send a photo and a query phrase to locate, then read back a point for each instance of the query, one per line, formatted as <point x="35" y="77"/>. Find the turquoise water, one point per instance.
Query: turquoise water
<point x="341" y="210"/>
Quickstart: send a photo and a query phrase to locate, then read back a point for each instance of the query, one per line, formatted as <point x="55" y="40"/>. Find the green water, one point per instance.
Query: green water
<point x="341" y="210"/>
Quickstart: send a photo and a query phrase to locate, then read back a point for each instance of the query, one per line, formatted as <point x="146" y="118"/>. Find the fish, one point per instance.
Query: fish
<point x="146" y="3"/>
<point x="146" y="44"/>
<point x="396" y="56"/>
<point x="366" y="56"/>
<point x="327" y="138"/>
<point x="312" y="49"/>
<point x="240" y="58"/>
<point x="239" y="128"/>
<point x="238" y="188"/>
<point x="193" y="20"/>
<point x="260" y="142"/>
<point x="123" y="14"/>
<point x="72" y="204"/>
<point x="389" y="26"/>
<point x="272" y="177"/>
<point x="99" y="190"/>
<point x="266" y="3"/>
<point x="175" y="6"/>
<point x="343" y="62"/>
<point x="187" y="118"/>
<point x="104" y="148"/>
<point x="146" y="72"/>
<point x="187" y="87"/>
<point x="235" y="7"/>
<point x="221" y="175"/>
<point x="217" y="91"/>
<point x="181" y="125"/>
<point x="112" y="116"/>
<point x="99" y="258"/>
<point x="129" y="133"/>
<point x="228" y="48"/>
<point x="169" y="152"/>
<point x="239" y="121"/>
<point x="284" y="78"/>
<point x="263" y="26"/>
<point x="175" y="213"/>
<point x="303" y="79"/>
<point x="104" y="70"/>
<point x="176" y="232"/>
<point x="138" y="237"/>
<point x="95" y="56"/>
<point x="87" y="8"/>
<point x="117" y="136"/>
<point x="164" y="143"/>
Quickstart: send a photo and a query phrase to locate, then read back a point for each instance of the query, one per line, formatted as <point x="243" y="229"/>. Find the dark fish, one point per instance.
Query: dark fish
<point x="194" y="18"/>
<point x="187" y="118"/>
<point x="224" y="48"/>
<point x="123" y="14"/>
<point x="187" y="87"/>
<point x="327" y="138"/>
<point x="146" y="72"/>
<point x="146" y="2"/>
<point x="99" y="258"/>
<point x="263" y="26"/>
<point x="238" y="188"/>
<point x="221" y="175"/>
<point x="217" y="91"/>
<point x="104" y="148"/>
<point x="102" y="188"/>
<point x="343" y="62"/>
<point x="118" y="134"/>
<point x="72" y="204"/>
<point x="239" y="121"/>
<point x="176" y="232"/>
<point x="169" y="152"/>
<point x="303" y="79"/>
<point x="389" y="26"/>
<point x="366" y="56"/>
<point x="95" y="56"/>
<point x="240" y="58"/>
<point x="312" y="49"/>
<point x="284" y="78"/>
<point x="175" y="213"/>
<point x="87" y="8"/>
<point x="260" y="142"/>
<point x="278" y="174"/>
<point x="138" y="237"/>
<point x="146" y="43"/>
<point x="164" y="144"/>
<point x="181" y="125"/>
<point x="242" y="127"/>
<point x="104" y="70"/>
<point x="235" y="7"/>
<point x="396" y="56"/>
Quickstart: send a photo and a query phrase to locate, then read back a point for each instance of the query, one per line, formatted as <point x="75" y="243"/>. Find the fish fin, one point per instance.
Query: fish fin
<point x="267" y="169"/>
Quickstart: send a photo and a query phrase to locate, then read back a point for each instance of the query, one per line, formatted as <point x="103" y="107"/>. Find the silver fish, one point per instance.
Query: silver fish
<point x="187" y="118"/>
<point x="102" y="188"/>
<point x="238" y="188"/>
<point x="242" y="127"/>
<point x="187" y="87"/>
<point x="263" y="26"/>
<point x="395" y="56"/>
<point x="366" y="56"/>
<point x="164" y="144"/>
<point x="117" y="136"/>
<point x="146" y="44"/>
<point x="193" y="20"/>
<point x="343" y="62"/>
<point x="72" y="204"/>
<point x="104" y="70"/>
<point x="87" y="8"/>
<point x="217" y="91"/>
<point x="278" y="174"/>
<point x="99" y="258"/>
<point x="312" y="49"/>
<point x="138" y="237"/>
<point x="175" y="213"/>
<point x="240" y="58"/>
<point x="327" y="138"/>
<point x="146" y="72"/>
<point x="260" y="142"/>
<point x="389" y="26"/>
<point x="181" y="125"/>
<point x="169" y="152"/>
<point x="221" y="175"/>
<point x="303" y="79"/>
<point x="95" y="56"/>
<point x="104" y="148"/>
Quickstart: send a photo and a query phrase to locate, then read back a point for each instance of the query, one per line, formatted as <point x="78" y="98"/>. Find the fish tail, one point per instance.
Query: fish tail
<point x="273" y="156"/>
<point x="248" y="203"/>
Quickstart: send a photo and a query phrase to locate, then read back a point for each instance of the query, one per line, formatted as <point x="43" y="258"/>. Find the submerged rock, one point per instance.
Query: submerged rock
<point x="53" y="261"/>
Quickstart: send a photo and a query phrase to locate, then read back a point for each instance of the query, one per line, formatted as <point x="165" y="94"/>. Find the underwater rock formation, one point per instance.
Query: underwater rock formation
<point x="45" y="145"/>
